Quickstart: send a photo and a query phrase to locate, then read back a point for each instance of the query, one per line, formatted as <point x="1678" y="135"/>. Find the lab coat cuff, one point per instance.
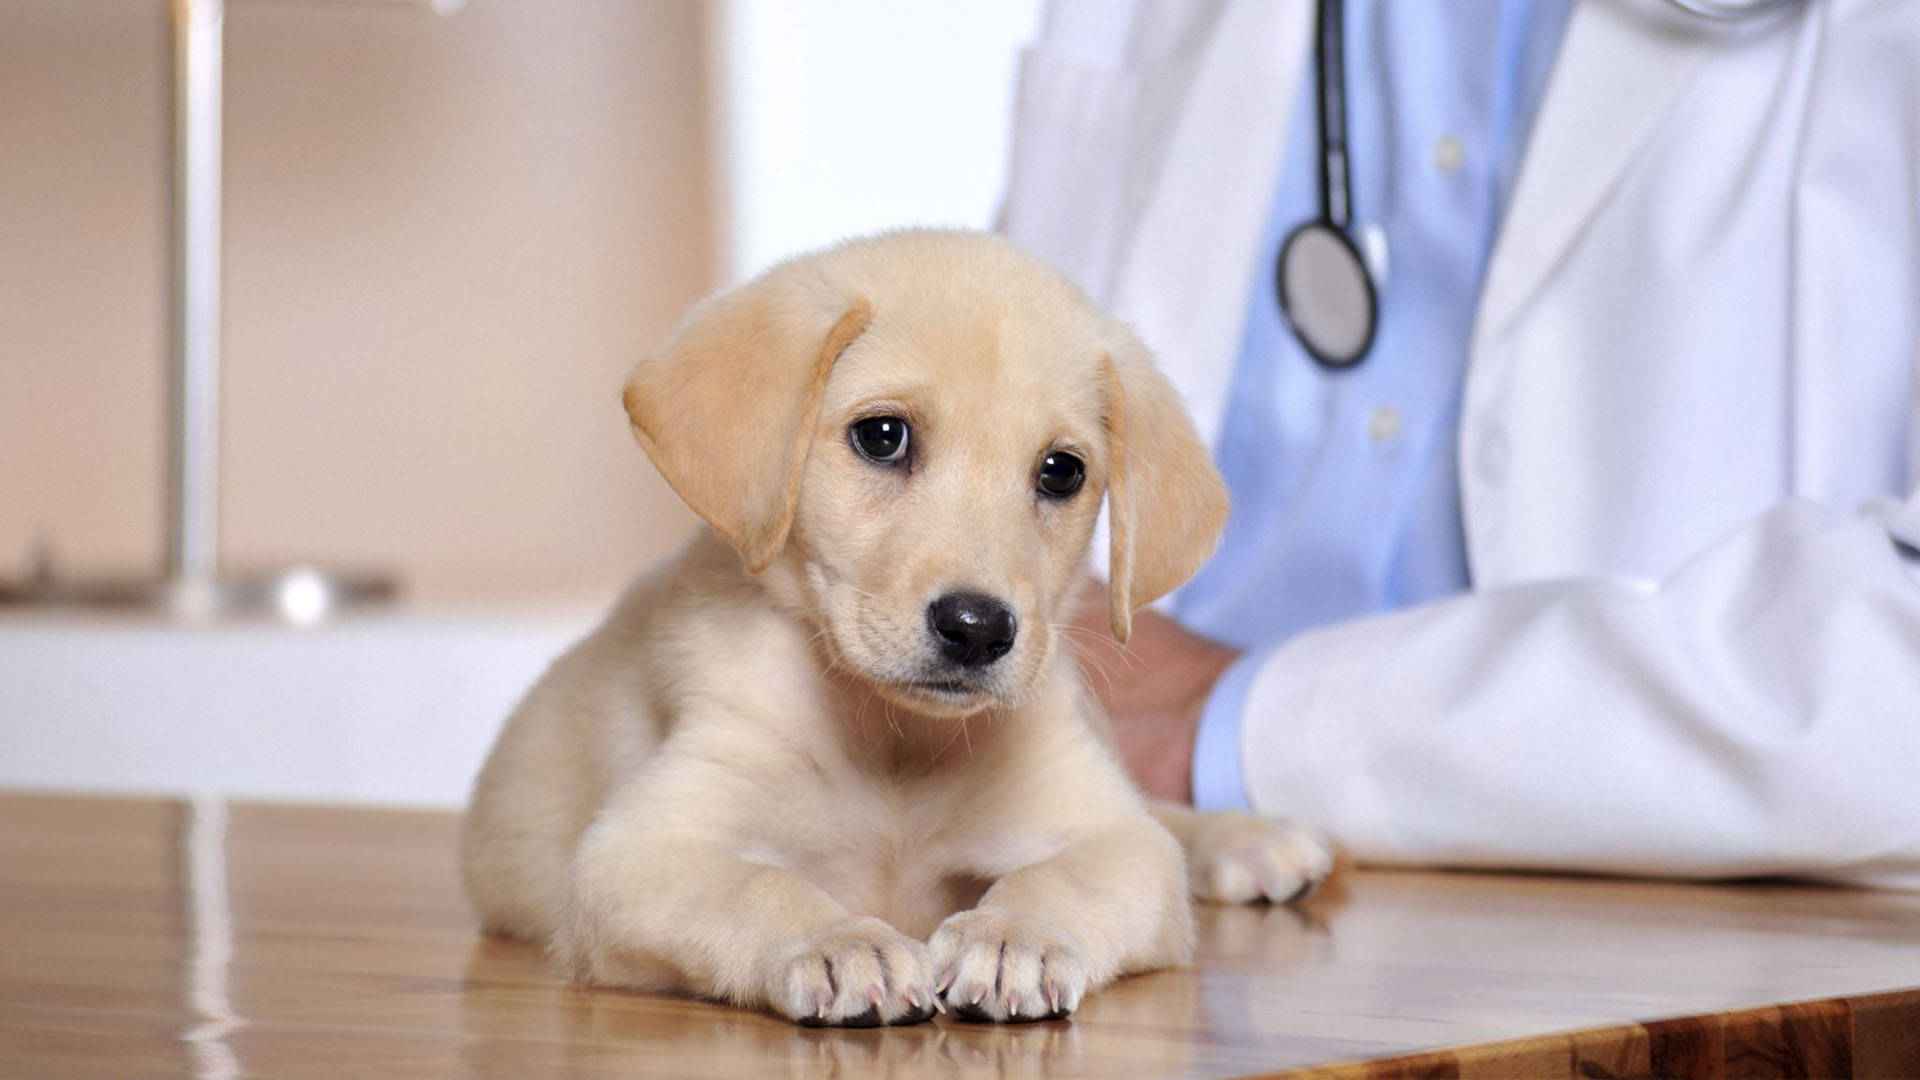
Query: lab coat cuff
<point x="1302" y="739"/>
<point x="1218" y="783"/>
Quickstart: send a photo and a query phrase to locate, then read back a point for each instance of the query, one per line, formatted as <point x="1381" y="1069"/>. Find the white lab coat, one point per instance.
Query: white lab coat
<point x="1688" y="447"/>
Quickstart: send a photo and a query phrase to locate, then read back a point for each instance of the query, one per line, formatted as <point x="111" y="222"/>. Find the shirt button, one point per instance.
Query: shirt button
<point x="1448" y="154"/>
<point x="1383" y="424"/>
<point x="1493" y="457"/>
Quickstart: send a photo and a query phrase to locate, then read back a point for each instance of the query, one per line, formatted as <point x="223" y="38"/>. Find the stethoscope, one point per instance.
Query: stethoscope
<point x="1327" y="295"/>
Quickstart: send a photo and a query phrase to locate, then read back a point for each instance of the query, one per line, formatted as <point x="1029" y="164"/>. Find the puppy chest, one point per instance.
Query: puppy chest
<point x="878" y="864"/>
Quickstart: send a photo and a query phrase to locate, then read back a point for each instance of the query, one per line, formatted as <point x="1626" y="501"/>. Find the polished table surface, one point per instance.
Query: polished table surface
<point x="149" y="937"/>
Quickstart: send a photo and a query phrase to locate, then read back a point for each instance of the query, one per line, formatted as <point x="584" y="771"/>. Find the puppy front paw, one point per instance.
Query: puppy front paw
<point x="858" y="973"/>
<point x="996" y="967"/>
<point x="1237" y="858"/>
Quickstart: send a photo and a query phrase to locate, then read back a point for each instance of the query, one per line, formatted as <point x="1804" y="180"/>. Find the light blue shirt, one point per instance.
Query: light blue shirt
<point x="1345" y="492"/>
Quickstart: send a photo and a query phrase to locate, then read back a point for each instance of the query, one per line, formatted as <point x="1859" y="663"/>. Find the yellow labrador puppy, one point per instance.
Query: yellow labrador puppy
<point x="833" y="760"/>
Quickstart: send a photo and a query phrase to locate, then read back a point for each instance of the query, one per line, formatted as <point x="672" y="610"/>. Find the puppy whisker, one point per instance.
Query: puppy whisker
<point x="1092" y="659"/>
<point x="1099" y="639"/>
<point x="1093" y="666"/>
<point x="948" y="745"/>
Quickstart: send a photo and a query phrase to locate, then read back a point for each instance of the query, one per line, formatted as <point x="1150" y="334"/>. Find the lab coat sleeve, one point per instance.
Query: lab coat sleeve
<point x="1758" y="712"/>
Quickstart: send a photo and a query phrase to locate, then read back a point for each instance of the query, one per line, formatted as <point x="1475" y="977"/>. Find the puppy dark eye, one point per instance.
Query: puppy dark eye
<point x="880" y="438"/>
<point x="1061" y="474"/>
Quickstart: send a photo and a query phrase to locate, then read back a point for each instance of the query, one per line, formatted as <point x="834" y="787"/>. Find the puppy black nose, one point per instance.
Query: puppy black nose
<point x="972" y="628"/>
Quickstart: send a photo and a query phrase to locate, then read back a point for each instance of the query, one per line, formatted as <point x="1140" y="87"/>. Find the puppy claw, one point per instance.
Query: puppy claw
<point x="919" y="1014"/>
<point x="972" y="1014"/>
<point x="842" y="975"/>
<point x="1006" y="969"/>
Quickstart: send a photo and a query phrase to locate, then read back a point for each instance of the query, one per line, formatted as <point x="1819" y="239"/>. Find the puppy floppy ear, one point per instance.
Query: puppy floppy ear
<point x="1166" y="502"/>
<point x="727" y="406"/>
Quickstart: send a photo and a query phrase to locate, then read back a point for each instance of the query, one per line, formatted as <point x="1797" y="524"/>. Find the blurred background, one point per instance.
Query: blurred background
<point x="447" y="235"/>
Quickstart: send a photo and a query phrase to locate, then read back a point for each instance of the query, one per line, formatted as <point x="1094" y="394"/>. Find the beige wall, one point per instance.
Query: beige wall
<point x="446" y="241"/>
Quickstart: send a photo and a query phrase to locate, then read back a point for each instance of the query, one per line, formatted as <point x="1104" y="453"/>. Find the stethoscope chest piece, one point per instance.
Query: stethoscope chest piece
<point x="1326" y="293"/>
<point x="1325" y="290"/>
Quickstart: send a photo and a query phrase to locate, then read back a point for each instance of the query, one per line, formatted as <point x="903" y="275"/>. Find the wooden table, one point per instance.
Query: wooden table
<point x="142" y="937"/>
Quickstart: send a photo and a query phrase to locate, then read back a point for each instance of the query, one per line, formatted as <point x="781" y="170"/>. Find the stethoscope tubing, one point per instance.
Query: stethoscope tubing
<point x="1336" y="185"/>
<point x="1336" y="181"/>
<point x="1336" y="198"/>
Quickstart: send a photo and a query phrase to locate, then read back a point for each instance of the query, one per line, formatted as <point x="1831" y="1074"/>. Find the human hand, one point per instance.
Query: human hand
<point x="1153" y="689"/>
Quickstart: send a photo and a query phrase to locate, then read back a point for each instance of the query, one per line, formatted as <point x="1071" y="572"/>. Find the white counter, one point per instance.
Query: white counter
<point x="397" y="707"/>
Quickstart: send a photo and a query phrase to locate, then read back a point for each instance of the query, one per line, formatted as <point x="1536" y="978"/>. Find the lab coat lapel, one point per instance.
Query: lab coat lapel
<point x="1185" y="270"/>
<point x="1623" y="65"/>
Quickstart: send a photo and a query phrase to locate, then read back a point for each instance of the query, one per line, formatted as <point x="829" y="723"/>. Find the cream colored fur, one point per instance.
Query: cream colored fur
<point x="733" y="788"/>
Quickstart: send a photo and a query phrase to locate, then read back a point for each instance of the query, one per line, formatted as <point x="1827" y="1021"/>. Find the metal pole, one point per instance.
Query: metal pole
<point x="193" y="492"/>
<point x="192" y="585"/>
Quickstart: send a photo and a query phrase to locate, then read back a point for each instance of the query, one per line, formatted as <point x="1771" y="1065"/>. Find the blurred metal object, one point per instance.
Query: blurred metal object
<point x="301" y="595"/>
<point x="193" y="467"/>
<point x="438" y="7"/>
<point x="193" y="584"/>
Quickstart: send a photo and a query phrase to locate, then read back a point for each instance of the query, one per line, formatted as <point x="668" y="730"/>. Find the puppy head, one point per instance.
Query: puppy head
<point x="911" y="437"/>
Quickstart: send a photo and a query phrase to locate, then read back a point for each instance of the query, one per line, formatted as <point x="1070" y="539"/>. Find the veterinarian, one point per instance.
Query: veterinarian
<point x="1600" y="555"/>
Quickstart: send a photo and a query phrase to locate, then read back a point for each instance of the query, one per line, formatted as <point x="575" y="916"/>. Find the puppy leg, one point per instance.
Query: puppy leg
<point x="1236" y="858"/>
<point x="530" y="805"/>
<point x="651" y="910"/>
<point x="1043" y="936"/>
